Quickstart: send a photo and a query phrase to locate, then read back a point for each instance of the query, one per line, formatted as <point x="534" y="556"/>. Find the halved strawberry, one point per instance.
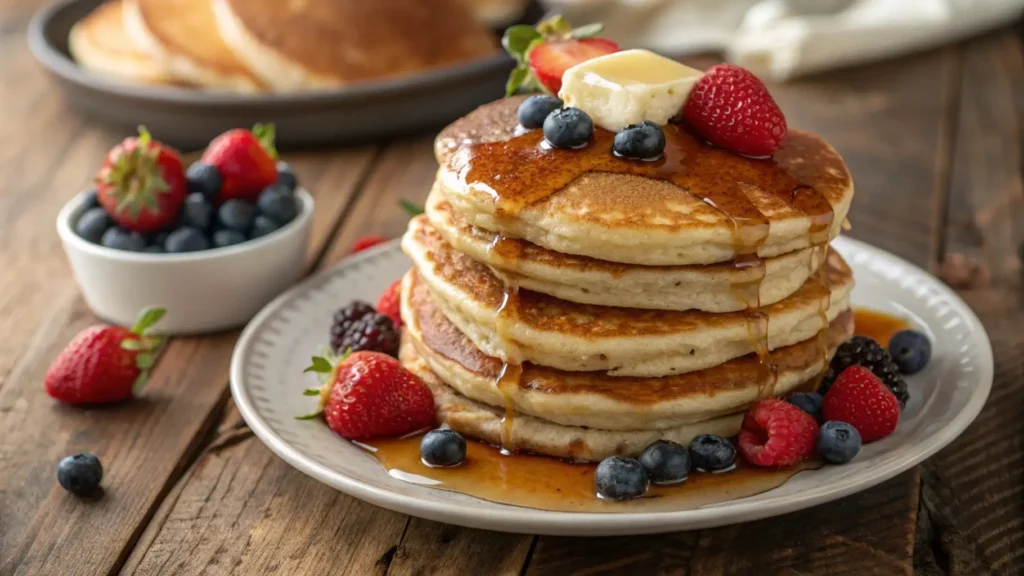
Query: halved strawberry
<point x="545" y="52"/>
<point x="549" y="60"/>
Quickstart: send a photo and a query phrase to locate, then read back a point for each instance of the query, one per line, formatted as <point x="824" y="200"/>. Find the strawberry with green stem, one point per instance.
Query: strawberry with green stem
<point x="141" y="183"/>
<point x="105" y="364"/>
<point x="366" y="395"/>
<point x="543" y="53"/>
<point x="246" y="161"/>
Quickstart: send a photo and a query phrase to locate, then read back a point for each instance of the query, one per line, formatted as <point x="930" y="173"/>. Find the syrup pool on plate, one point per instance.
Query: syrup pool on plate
<point x="549" y="483"/>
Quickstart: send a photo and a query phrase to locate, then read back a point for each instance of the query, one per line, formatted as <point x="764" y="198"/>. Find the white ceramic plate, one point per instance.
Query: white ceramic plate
<point x="266" y="380"/>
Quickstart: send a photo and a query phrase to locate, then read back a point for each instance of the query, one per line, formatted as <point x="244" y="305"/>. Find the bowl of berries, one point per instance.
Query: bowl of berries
<point x="212" y="243"/>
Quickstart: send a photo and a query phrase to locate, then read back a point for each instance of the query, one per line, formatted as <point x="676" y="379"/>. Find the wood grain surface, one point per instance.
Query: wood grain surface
<point x="934" y="142"/>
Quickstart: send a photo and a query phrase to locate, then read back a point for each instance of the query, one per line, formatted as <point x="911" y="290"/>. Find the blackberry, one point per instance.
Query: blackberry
<point x="375" y="332"/>
<point x="345" y="317"/>
<point x="863" y="351"/>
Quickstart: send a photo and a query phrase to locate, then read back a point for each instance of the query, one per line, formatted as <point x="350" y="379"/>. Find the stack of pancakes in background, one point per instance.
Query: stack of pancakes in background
<point x="283" y="45"/>
<point x="574" y="304"/>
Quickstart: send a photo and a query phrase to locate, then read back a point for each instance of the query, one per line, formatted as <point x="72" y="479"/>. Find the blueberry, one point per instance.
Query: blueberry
<point x="262" y="226"/>
<point x="666" y="462"/>
<point x="643" y="141"/>
<point x="236" y="215"/>
<point x="838" y="442"/>
<point x="809" y="402"/>
<point x="186" y="239"/>
<point x="160" y="238"/>
<point x="197" y="212"/>
<point x="910" y="351"/>
<point x="80" y="474"/>
<point x="204" y="179"/>
<point x="91" y="200"/>
<point x="154" y="249"/>
<point x="123" y="239"/>
<point x="536" y="108"/>
<point x="619" y="478"/>
<point x="568" y="128"/>
<point x="286" y="176"/>
<point x="278" y="204"/>
<point x="93" y="224"/>
<point x="442" y="448"/>
<point x="222" y="238"/>
<point x="712" y="453"/>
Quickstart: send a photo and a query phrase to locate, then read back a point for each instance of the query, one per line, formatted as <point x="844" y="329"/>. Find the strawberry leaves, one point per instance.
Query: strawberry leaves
<point x="519" y="40"/>
<point x="146" y="346"/>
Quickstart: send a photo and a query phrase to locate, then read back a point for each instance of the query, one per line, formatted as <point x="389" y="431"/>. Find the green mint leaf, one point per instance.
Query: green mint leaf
<point x="516" y="79"/>
<point x="320" y="365"/>
<point x="517" y="39"/>
<point x="410" y="207"/>
<point x="587" y="31"/>
<point x="147" y="318"/>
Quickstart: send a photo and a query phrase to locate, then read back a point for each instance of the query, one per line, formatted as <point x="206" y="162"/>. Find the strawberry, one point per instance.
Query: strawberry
<point x="776" y="433"/>
<point x="367" y="242"/>
<point x="546" y="51"/>
<point x="731" y="108"/>
<point x="141" y="183"/>
<point x="860" y="399"/>
<point x="370" y="395"/>
<point x="105" y="364"/>
<point x="246" y="160"/>
<point x="390" y="303"/>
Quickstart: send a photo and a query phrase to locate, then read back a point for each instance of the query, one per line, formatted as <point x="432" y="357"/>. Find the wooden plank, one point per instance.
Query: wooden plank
<point x="647" y="555"/>
<point x="145" y="445"/>
<point x="974" y="489"/>
<point x="442" y="549"/>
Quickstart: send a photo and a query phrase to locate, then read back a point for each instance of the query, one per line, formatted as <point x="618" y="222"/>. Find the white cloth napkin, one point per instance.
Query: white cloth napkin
<point x="780" y="39"/>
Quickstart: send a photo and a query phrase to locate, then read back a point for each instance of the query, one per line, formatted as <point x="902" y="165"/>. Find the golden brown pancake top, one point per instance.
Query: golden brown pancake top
<point x="444" y="338"/>
<point x="354" y="40"/>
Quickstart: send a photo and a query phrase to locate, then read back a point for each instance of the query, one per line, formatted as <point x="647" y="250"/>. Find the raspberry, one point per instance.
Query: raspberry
<point x="375" y="332"/>
<point x="860" y="399"/>
<point x="863" y="351"/>
<point x="731" y="108"/>
<point x="776" y="433"/>
<point x="345" y="317"/>
<point x="390" y="303"/>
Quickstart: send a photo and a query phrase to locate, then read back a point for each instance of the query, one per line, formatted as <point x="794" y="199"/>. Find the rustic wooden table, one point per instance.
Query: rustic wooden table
<point x="934" y="143"/>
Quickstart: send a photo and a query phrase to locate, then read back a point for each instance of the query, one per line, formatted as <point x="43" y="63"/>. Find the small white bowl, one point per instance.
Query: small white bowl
<point x="204" y="291"/>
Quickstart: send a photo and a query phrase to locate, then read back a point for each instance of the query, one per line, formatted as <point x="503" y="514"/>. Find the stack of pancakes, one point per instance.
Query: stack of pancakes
<point x="282" y="45"/>
<point x="571" y="303"/>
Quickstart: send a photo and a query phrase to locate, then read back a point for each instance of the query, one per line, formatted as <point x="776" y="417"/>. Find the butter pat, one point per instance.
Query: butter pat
<point x="628" y="87"/>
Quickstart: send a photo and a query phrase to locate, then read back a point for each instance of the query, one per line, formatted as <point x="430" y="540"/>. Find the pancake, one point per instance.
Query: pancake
<point x="296" y="44"/>
<point x="622" y="341"/>
<point x="718" y="205"/>
<point x="596" y="400"/>
<point x="100" y="44"/>
<point x="477" y="420"/>
<point x="592" y="281"/>
<point x="183" y="36"/>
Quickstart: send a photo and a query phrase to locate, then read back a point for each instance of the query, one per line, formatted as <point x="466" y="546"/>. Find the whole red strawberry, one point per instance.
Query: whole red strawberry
<point x="105" y="364"/>
<point x="776" y="433"/>
<point x="370" y="395"/>
<point x="367" y="242"/>
<point x="246" y="160"/>
<point x="546" y="51"/>
<point x="731" y="108"/>
<point x="390" y="303"/>
<point x="141" y="183"/>
<point x="860" y="399"/>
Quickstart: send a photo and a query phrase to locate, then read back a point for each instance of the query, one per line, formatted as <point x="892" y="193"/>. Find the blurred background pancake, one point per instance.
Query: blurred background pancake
<point x="100" y="44"/>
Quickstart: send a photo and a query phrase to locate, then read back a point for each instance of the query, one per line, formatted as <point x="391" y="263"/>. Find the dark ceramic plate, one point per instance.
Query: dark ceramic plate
<point x="188" y="119"/>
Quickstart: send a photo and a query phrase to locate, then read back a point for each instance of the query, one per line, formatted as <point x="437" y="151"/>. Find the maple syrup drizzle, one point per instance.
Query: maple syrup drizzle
<point x="511" y="371"/>
<point x="522" y="170"/>
<point x="878" y="326"/>
<point x="547" y="483"/>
